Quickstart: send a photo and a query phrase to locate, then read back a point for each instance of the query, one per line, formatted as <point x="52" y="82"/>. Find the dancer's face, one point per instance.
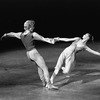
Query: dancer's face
<point x="29" y="28"/>
<point x="86" y="36"/>
<point x="29" y="25"/>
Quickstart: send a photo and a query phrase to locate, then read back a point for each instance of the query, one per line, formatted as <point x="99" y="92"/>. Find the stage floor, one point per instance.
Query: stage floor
<point x="19" y="79"/>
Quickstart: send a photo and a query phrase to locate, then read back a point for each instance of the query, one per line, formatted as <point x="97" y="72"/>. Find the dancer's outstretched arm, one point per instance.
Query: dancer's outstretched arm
<point x="66" y="39"/>
<point x="41" y="38"/>
<point x="12" y="34"/>
<point x="92" y="51"/>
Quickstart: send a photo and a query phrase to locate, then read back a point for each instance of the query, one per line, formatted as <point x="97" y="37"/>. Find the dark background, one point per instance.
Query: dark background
<point x="63" y="18"/>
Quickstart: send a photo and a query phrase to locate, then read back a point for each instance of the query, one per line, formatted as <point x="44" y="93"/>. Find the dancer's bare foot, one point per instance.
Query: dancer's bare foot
<point x="50" y="86"/>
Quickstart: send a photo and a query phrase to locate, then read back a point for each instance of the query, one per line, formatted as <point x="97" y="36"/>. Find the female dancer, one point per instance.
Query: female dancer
<point x="68" y="54"/>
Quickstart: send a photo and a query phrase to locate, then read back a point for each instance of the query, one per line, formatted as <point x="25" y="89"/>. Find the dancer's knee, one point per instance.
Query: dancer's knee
<point x="56" y="71"/>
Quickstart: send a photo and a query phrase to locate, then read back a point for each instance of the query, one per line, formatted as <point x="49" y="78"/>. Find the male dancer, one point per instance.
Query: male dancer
<point x="27" y="37"/>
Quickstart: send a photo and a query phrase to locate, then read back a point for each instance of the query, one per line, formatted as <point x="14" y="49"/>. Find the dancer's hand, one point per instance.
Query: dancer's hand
<point x="3" y="36"/>
<point x="56" y="39"/>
